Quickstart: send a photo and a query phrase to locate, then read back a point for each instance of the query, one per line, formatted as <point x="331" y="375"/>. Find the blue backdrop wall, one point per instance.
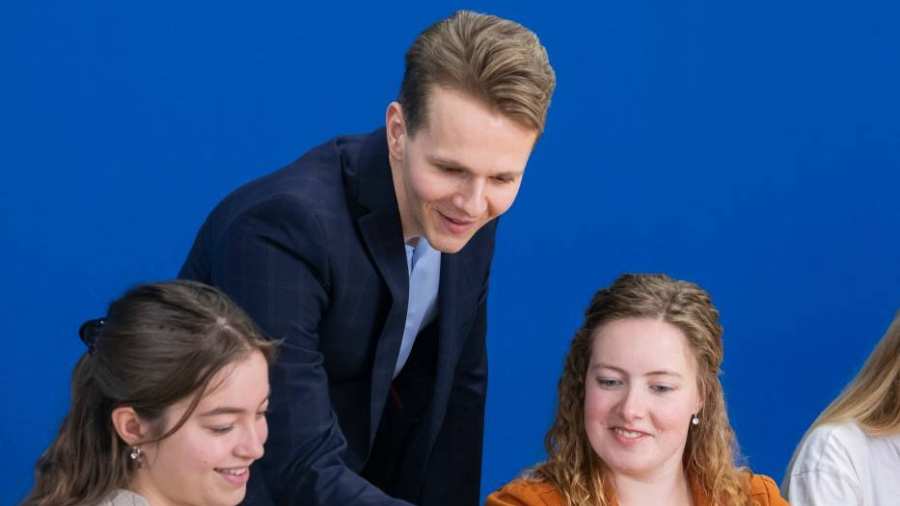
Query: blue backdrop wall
<point x="751" y="147"/>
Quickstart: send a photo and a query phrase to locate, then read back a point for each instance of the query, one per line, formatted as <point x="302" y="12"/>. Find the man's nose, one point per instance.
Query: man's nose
<point x="471" y="197"/>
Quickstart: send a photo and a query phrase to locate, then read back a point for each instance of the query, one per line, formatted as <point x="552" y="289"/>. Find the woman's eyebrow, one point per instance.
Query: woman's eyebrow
<point x="663" y="373"/>
<point x="223" y="410"/>
<point x="660" y="372"/>
<point x="601" y="365"/>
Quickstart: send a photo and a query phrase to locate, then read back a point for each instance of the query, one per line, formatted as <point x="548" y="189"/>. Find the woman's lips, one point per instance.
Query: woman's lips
<point x="628" y="437"/>
<point x="237" y="476"/>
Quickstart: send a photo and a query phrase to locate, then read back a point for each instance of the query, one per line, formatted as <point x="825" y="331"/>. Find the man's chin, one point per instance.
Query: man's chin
<point x="446" y="243"/>
<point x="448" y="247"/>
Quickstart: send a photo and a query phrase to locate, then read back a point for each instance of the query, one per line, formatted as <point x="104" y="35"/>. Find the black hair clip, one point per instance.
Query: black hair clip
<point x="89" y="331"/>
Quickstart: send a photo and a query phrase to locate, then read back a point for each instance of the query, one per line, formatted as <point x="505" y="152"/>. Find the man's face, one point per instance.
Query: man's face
<point x="461" y="169"/>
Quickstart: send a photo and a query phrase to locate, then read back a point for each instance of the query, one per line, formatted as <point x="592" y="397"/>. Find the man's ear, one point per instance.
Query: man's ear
<point x="395" y="124"/>
<point x="129" y="426"/>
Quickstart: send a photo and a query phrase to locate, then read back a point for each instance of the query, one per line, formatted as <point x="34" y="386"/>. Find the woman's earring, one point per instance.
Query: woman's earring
<point x="695" y="420"/>
<point x="136" y="454"/>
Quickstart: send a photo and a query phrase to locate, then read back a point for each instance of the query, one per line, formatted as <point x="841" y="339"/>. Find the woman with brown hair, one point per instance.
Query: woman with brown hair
<point x="851" y="454"/>
<point x="641" y="418"/>
<point x="168" y="404"/>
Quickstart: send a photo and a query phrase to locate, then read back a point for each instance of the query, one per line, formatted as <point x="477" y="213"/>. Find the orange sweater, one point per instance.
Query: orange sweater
<point x="523" y="492"/>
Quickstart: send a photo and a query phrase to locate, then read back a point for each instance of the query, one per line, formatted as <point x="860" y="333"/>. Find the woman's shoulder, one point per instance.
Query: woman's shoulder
<point x="828" y="446"/>
<point x="526" y="492"/>
<point x="120" y="497"/>
<point x="846" y="432"/>
<point x="764" y="491"/>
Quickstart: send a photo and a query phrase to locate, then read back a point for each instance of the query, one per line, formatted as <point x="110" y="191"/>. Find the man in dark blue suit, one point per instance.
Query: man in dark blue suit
<point x="369" y="259"/>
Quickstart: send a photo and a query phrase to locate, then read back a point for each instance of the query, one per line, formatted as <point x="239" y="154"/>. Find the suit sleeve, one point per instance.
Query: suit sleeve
<point x="273" y="262"/>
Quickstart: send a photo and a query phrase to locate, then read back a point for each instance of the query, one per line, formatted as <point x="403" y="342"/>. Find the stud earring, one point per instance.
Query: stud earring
<point x="136" y="454"/>
<point x="695" y="420"/>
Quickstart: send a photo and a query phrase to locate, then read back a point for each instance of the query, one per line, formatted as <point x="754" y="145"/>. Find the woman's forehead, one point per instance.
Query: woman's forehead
<point x="641" y="346"/>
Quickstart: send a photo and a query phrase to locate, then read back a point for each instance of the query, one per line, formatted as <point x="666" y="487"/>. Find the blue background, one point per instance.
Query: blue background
<point x="750" y="147"/>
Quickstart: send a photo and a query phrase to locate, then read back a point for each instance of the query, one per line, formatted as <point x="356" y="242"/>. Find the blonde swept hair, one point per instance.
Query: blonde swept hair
<point x="709" y="457"/>
<point x="872" y="399"/>
<point x="495" y="60"/>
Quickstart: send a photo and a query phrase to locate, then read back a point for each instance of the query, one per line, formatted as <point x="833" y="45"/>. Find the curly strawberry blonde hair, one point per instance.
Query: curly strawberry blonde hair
<point x="711" y="449"/>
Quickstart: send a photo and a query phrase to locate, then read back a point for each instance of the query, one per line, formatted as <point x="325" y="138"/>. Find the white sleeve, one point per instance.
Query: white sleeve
<point x="823" y="472"/>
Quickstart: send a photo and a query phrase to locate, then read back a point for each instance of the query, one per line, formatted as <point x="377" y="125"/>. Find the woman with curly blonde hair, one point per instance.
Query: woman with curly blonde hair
<point x="641" y="418"/>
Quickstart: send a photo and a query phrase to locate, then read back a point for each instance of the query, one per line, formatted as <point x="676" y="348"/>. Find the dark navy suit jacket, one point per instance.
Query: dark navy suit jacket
<point x="315" y="254"/>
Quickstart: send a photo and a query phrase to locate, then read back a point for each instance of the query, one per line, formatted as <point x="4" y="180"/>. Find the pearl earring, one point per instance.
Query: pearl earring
<point x="136" y="454"/>
<point x="695" y="420"/>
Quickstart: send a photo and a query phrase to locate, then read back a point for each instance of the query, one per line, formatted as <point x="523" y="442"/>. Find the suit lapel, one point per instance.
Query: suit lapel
<point x="451" y="309"/>
<point x="454" y="285"/>
<point x="449" y="344"/>
<point x="390" y="258"/>
<point x="378" y="218"/>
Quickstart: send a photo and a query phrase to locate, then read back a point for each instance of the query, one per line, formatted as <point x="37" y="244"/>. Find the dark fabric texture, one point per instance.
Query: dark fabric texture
<point x="314" y="253"/>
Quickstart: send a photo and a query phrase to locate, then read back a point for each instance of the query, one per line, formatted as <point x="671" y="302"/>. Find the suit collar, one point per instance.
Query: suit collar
<point x="368" y="174"/>
<point x="374" y="206"/>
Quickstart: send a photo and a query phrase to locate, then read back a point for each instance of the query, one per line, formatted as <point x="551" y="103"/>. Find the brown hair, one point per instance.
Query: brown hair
<point x="492" y="59"/>
<point x="160" y="343"/>
<point x="709" y="455"/>
<point x="872" y="399"/>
